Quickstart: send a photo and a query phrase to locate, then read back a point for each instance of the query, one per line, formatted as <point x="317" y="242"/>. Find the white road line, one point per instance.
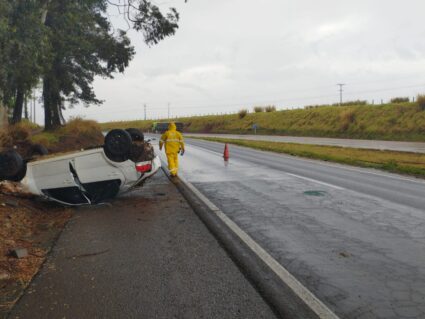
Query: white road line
<point x="318" y="307"/>
<point x="315" y="181"/>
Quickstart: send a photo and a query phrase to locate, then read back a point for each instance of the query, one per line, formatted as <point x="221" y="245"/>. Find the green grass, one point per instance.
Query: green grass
<point x="396" y="162"/>
<point x="403" y="121"/>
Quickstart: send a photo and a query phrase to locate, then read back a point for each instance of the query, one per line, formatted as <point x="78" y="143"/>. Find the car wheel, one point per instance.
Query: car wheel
<point x="115" y="158"/>
<point x="38" y="150"/>
<point x="136" y="134"/>
<point x="20" y="175"/>
<point x="11" y="163"/>
<point x="136" y="152"/>
<point x="117" y="144"/>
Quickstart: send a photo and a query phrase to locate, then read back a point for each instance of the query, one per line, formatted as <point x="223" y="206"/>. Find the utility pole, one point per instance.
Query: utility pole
<point x="168" y="110"/>
<point x="144" y="106"/>
<point x="340" y="92"/>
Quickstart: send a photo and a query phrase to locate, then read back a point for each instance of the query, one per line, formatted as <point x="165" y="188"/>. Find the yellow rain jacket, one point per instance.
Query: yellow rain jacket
<point x="173" y="141"/>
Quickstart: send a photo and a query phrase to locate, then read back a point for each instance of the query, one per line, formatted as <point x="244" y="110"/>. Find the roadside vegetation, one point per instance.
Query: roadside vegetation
<point x="404" y="121"/>
<point x="75" y="135"/>
<point x="395" y="162"/>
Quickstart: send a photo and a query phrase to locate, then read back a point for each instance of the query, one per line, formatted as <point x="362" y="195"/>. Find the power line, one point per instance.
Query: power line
<point x="270" y="101"/>
<point x="340" y="92"/>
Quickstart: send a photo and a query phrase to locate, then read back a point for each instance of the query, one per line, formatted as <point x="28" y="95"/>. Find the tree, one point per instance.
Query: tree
<point x="67" y="43"/>
<point x="4" y="45"/>
<point x="27" y="53"/>
<point x="4" y="32"/>
<point x="84" y="46"/>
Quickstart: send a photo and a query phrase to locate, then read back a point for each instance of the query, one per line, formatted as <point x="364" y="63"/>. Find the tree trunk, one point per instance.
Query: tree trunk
<point x="52" y="103"/>
<point x="19" y="103"/>
<point x="26" y="107"/>
<point x="3" y="112"/>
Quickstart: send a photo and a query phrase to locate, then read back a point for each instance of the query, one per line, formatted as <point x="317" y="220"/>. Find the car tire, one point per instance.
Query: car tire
<point x="117" y="144"/>
<point x="38" y="150"/>
<point x="20" y="175"/>
<point x="136" y="134"/>
<point x="136" y="152"/>
<point x="11" y="163"/>
<point x="116" y="158"/>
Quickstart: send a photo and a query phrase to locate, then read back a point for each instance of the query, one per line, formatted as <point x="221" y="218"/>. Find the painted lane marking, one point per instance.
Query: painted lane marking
<point x="315" y="181"/>
<point x="318" y="307"/>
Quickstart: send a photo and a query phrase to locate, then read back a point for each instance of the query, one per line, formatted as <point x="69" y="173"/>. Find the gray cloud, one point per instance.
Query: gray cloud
<point x="238" y="53"/>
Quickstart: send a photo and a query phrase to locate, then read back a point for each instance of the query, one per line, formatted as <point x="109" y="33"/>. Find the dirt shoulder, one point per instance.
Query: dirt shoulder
<point x="29" y="224"/>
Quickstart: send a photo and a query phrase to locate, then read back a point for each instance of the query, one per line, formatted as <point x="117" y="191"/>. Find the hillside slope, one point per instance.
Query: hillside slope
<point x="387" y="122"/>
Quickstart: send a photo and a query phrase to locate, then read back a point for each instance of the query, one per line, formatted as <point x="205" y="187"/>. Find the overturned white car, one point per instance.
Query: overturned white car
<point x="88" y="176"/>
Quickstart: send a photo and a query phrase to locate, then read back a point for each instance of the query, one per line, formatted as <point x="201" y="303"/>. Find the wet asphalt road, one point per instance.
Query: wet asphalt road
<point x="354" y="237"/>
<point x="418" y="147"/>
<point x="146" y="256"/>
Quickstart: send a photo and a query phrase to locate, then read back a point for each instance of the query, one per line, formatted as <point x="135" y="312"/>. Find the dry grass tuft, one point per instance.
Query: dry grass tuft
<point x="347" y="117"/>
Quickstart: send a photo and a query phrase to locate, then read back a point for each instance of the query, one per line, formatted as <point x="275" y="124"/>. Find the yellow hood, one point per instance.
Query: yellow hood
<point x="172" y="126"/>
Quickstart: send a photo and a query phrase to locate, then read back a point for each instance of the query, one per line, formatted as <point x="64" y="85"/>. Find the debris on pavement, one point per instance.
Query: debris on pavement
<point x="19" y="253"/>
<point x="16" y="190"/>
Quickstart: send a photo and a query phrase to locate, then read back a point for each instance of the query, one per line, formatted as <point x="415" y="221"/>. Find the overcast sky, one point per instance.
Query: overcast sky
<point x="231" y="54"/>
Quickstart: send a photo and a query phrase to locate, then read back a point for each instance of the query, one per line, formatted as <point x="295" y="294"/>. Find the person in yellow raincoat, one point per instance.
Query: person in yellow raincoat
<point x="174" y="144"/>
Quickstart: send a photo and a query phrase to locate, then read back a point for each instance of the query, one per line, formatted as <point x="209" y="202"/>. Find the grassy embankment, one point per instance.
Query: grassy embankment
<point x="396" y="162"/>
<point x="404" y="121"/>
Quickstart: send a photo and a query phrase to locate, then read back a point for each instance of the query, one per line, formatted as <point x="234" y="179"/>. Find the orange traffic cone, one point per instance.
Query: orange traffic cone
<point x="226" y="152"/>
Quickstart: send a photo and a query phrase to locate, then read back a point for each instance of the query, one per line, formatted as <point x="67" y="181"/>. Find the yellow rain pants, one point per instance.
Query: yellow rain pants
<point x="173" y="141"/>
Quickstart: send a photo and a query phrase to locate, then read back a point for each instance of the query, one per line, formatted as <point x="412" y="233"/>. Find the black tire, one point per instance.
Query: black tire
<point x="20" y="175"/>
<point x="11" y="163"/>
<point x="136" y="134"/>
<point x="115" y="158"/>
<point x="39" y="150"/>
<point x="117" y="144"/>
<point x="136" y="152"/>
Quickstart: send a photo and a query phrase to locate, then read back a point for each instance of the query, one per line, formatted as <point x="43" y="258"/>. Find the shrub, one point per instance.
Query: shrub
<point x="258" y="109"/>
<point x="19" y="132"/>
<point x="421" y="101"/>
<point x="400" y="100"/>
<point x="242" y="113"/>
<point x="76" y="134"/>
<point x="79" y="126"/>
<point x="5" y="139"/>
<point x="270" y="108"/>
<point x="47" y="139"/>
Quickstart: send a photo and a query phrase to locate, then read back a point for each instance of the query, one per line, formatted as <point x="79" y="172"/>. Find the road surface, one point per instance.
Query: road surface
<point x="354" y="237"/>
<point x="417" y="147"/>
<point x="146" y="256"/>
